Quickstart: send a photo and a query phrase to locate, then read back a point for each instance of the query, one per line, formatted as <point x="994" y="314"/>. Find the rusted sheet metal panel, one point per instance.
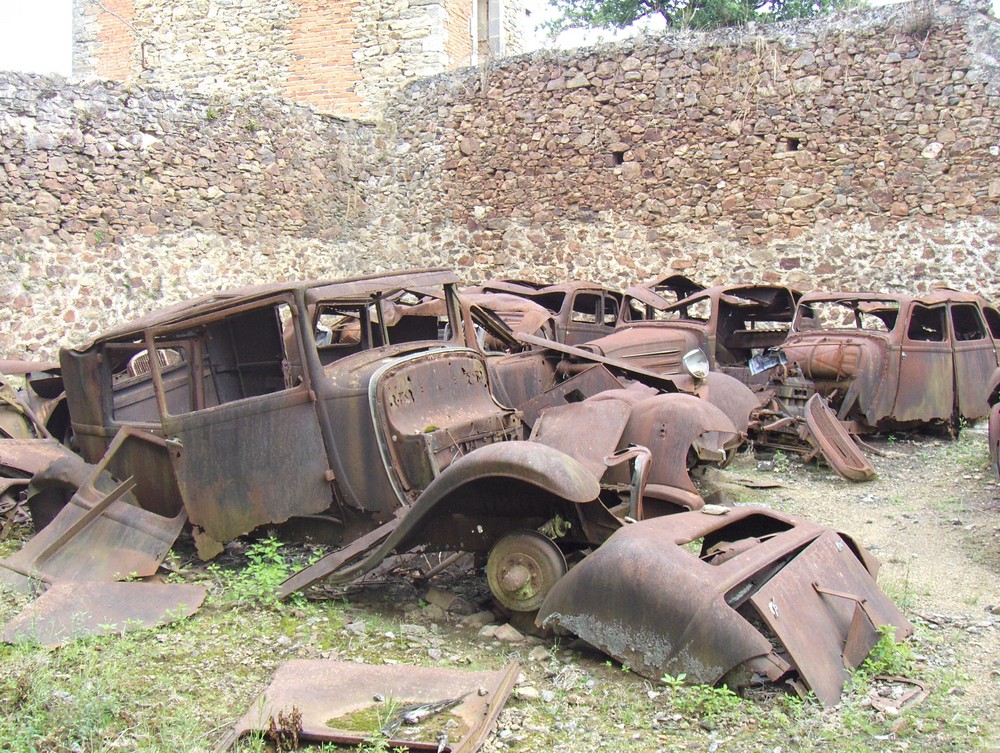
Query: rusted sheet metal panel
<point x="73" y="610"/>
<point x="26" y="457"/>
<point x="653" y="606"/>
<point x="926" y="387"/>
<point x="588" y="431"/>
<point x="811" y="604"/>
<point x="423" y="431"/>
<point x="975" y="362"/>
<point x="649" y="346"/>
<point x="328" y="695"/>
<point x="731" y="396"/>
<point x="250" y="462"/>
<point x="102" y="535"/>
<point x="651" y="603"/>
<point x="839" y="450"/>
<point x="671" y="425"/>
<point x="589" y="381"/>
<point x="994" y="439"/>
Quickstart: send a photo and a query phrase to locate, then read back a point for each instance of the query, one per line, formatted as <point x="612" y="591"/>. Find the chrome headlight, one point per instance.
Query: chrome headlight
<point x="696" y="363"/>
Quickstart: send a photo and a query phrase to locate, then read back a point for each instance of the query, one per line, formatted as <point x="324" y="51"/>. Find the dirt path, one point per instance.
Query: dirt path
<point x="933" y="520"/>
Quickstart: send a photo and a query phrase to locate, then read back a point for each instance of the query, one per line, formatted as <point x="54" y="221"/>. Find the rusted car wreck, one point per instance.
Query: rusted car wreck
<point x="888" y="362"/>
<point x="356" y="409"/>
<point x="346" y="406"/>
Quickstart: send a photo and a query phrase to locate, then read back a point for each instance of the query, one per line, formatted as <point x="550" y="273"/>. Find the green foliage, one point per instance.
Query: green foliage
<point x="257" y="583"/>
<point x="889" y="657"/>
<point x="211" y="114"/>
<point x="695" y="14"/>
<point x="711" y="704"/>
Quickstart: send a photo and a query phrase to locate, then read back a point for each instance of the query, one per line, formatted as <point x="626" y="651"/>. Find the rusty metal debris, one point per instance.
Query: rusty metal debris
<point x="735" y="326"/>
<point x="391" y="414"/>
<point x="70" y="610"/>
<point x="764" y="597"/>
<point x="426" y="708"/>
<point x="893" y="694"/>
<point x="106" y="532"/>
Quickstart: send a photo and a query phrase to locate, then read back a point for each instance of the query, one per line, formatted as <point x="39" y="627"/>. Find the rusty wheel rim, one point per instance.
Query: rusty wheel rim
<point x="522" y="567"/>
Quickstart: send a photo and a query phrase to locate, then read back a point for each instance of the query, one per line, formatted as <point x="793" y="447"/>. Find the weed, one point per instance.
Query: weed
<point x="781" y="463"/>
<point x="711" y="704"/>
<point x="258" y="581"/>
<point x="211" y="114"/>
<point x="252" y="125"/>
<point x="888" y="657"/>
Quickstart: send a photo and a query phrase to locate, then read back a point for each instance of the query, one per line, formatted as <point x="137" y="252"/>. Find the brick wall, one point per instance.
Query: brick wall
<point x="458" y="41"/>
<point x="322" y="73"/>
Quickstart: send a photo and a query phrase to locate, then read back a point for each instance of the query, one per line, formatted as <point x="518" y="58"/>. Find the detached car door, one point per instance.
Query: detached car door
<point x="248" y="450"/>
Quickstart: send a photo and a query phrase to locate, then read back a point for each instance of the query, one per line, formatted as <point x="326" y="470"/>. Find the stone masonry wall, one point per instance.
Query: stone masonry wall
<point x="346" y="58"/>
<point x="115" y="200"/>
<point x="853" y="152"/>
<point x="858" y="152"/>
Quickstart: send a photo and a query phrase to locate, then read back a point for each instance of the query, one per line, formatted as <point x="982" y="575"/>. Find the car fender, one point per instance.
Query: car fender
<point x="495" y="488"/>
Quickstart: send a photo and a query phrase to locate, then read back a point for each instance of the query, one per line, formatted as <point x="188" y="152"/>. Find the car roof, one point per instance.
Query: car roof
<point x="315" y="290"/>
<point x="938" y="295"/>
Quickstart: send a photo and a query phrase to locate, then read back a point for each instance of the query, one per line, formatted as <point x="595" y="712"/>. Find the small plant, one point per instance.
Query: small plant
<point x="711" y="704"/>
<point x="887" y="658"/>
<point x="257" y="582"/>
<point x="781" y="463"/>
<point x="252" y="125"/>
<point x="211" y="114"/>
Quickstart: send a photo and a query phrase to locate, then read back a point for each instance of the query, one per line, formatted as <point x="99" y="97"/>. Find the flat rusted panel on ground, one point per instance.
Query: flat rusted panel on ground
<point x="73" y="610"/>
<point x="325" y="697"/>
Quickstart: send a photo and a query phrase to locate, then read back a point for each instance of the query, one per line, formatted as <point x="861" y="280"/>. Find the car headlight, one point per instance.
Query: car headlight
<point x="696" y="363"/>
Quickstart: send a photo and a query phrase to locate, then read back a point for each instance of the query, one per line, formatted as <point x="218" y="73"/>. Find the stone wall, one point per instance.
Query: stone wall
<point x="859" y="152"/>
<point x="344" y="57"/>
<point x="115" y="200"/>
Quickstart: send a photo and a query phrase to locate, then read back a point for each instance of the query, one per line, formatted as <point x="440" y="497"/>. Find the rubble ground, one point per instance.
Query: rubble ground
<point x="932" y="517"/>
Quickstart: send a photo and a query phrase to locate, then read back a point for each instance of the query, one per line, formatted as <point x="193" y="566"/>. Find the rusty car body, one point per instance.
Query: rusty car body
<point x="993" y="431"/>
<point x="730" y="324"/>
<point x="350" y="407"/>
<point x="888" y="362"/>
<point x="581" y="310"/>
<point x="747" y="596"/>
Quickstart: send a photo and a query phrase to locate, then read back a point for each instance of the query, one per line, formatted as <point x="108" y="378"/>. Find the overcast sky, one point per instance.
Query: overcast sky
<point x="36" y="35"/>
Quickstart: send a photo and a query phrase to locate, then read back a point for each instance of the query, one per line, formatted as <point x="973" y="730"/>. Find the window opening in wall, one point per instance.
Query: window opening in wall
<point x="618" y="157"/>
<point x="792" y="144"/>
